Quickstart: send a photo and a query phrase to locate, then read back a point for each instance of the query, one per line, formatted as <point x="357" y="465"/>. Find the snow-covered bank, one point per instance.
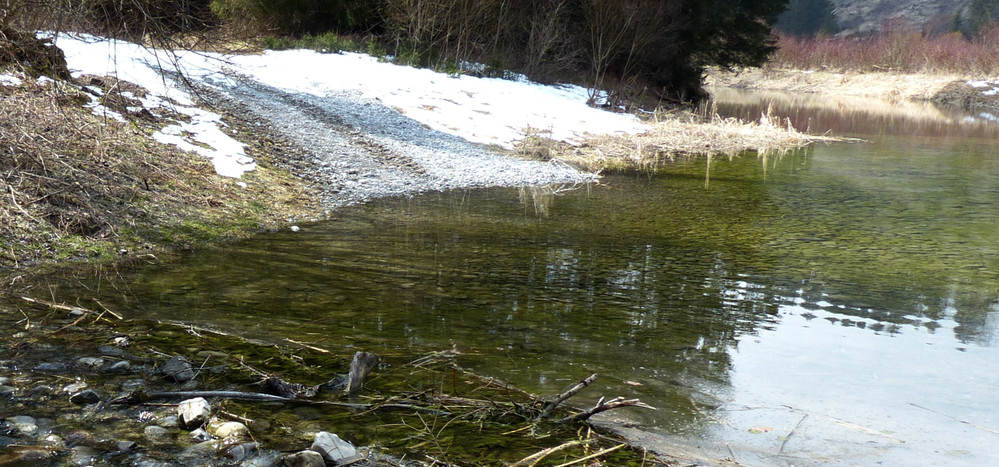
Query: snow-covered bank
<point x="425" y="119"/>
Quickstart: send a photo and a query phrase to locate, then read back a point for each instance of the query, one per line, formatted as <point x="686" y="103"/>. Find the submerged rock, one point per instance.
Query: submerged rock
<point x="156" y="433"/>
<point x="306" y="458"/>
<point x="87" y="396"/>
<point x="333" y="449"/>
<point x="178" y="369"/>
<point x="24" y="424"/>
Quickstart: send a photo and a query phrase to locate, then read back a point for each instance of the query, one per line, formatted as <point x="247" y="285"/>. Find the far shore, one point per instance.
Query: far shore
<point x="947" y="89"/>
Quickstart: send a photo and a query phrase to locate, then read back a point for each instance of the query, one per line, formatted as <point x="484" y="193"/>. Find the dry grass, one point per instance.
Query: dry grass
<point x="77" y="185"/>
<point x="674" y="134"/>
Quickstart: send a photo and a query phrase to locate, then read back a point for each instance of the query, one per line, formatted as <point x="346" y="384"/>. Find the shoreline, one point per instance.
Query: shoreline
<point x="946" y="89"/>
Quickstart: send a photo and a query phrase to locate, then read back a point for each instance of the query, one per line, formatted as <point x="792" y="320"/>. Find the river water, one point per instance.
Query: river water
<point x="838" y="304"/>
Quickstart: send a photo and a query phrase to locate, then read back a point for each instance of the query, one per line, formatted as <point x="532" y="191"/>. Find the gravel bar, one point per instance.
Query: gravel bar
<point x="359" y="149"/>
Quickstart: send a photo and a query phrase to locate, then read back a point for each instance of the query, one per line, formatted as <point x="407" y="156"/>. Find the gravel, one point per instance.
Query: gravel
<point x="357" y="149"/>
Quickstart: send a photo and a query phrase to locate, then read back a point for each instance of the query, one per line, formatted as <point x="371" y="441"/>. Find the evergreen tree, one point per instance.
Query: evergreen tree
<point x="981" y="14"/>
<point x="807" y="18"/>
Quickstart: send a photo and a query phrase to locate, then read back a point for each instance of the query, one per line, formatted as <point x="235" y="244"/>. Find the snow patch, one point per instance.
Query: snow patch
<point x="10" y="80"/>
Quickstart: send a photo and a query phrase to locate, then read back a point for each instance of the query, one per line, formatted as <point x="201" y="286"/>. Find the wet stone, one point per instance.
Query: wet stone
<point x="51" y="366"/>
<point x="125" y="446"/>
<point x="87" y="396"/>
<point x="74" y="387"/>
<point x="24" y="424"/>
<point x="307" y="458"/>
<point x="7" y="392"/>
<point x="193" y="412"/>
<point x="178" y="369"/>
<point x="90" y="362"/>
<point x="121" y="366"/>
<point x="156" y="433"/>
<point x="132" y="385"/>
<point x="200" y="435"/>
<point x="82" y="455"/>
<point x="111" y="351"/>
<point x="228" y="429"/>
<point x="169" y="421"/>
<point x="333" y="449"/>
<point x="241" y="452"/>
<point x="6" y="440"/>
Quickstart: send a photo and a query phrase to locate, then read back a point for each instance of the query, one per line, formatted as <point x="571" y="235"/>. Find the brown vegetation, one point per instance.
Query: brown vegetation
<point x="673" y="134"/>
<point x="75" y="184"/>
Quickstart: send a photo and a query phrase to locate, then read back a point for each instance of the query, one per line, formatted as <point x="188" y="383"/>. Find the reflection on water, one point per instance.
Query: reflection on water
<point x="828" y="304"/>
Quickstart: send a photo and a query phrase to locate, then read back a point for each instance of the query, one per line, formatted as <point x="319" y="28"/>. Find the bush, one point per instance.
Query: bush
<point x="300" y="16"/>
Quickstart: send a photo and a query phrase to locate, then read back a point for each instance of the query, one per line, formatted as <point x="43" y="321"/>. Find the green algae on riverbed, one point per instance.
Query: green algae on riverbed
<point x="456" y="417"/>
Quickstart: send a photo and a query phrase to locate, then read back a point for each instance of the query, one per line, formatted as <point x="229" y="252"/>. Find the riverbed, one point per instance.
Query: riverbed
<point x="836" y="304"/>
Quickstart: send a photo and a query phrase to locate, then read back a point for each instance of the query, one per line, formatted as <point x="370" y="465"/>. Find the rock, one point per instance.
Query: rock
<point x="200" y="435"/>
<point x="241" y="452"/>
<point x="121" y="366"/>
<point x="82" y="456"/>
<point x="25" y="425"/>
<point x="52" y="441"/>
<point x="111" y="351"/>
<point x="132" y="385"/>
<point x="178" y="369"/>
<point x="194" y="412"/>
<point x="6" y="441"/>
<point x="125" y="446"/>
<point x="74" y="387"/>
<point x="87" y="396"/>
<point x="7" y="392"/>
<point x="333" y="449"/>
<point x="122" y="341"/>
<point x="25" y="455"/>
<point x="228" y="429"/>
<point x="90" y="362"/>
<point x="156" y="433"/>
<point x="51" y="366"/>
<point x="306" y="458"/>
<point x="169" y="421"/>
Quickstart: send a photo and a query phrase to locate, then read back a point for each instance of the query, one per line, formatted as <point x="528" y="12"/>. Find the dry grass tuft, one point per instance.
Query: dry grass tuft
<point x="674" y="134"/>
<point x="73" y="184"/>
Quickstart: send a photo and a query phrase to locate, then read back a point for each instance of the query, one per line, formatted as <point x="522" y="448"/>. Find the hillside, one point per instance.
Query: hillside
<point x="870" y="15"/>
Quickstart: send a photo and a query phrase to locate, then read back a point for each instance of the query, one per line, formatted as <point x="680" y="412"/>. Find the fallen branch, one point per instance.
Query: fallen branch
<point x="533" y="459"/>
<point x="602" y="406"/>
<point x="567" y="394"/>
<point x="594" y="455"/>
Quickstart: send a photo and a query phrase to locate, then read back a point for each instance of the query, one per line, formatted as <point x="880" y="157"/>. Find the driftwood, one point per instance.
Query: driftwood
<point x="602" y="406"/>
<point x="568" y="393"/>
<point x="360" y="366"/>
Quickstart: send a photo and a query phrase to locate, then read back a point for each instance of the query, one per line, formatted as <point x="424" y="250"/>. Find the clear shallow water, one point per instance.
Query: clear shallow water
<point x="837" y="304"/>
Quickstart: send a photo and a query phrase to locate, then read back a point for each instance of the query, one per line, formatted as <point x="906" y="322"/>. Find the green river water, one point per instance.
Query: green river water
<point x="838" y="304"/>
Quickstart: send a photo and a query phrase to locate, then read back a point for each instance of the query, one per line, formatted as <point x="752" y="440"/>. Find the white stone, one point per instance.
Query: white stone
<point x="193" y="412"/>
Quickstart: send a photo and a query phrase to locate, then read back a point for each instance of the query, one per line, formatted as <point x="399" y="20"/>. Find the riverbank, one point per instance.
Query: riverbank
<point x="943" y="88"/>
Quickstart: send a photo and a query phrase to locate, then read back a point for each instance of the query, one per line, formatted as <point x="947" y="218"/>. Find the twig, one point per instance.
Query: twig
<point x="789" y="435"/>
<point x="533" y="459"/>
<point x="310" y="347"/>
<point x="602" y="406"/>
<point x="567" y="394"/>
<point x="116" y="315"/>
<point x="594" y="455"/>
<point x="955" y="419"/>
